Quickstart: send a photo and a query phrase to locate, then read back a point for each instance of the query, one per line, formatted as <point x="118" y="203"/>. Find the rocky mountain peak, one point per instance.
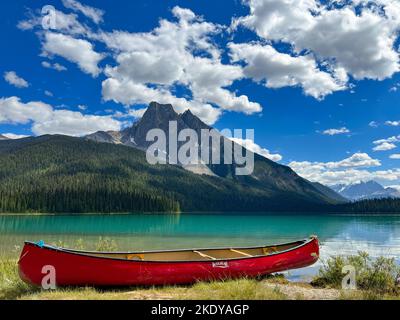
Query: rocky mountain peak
<point x="193" y="121"/>
<point x="156" y="108"/>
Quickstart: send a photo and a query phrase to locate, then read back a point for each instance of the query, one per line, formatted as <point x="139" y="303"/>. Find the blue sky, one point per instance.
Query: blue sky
<point x="319" y="82"/>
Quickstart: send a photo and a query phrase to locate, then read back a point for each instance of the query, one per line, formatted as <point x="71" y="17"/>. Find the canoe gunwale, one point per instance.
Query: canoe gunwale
<point x="92" y="254"/>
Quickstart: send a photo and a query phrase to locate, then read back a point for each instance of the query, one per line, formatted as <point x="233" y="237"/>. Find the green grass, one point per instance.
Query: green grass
<point x="11" y="286"/>
<point x="242" y="289"/>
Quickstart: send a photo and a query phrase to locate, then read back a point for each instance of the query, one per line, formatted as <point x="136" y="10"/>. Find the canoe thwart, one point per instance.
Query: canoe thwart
<point x="241" y="252"/>
<point x="204" y="255"/>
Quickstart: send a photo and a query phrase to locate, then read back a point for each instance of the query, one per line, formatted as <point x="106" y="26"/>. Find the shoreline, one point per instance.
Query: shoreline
<point x="241" y="289"/>
<point x="204" y="214"/>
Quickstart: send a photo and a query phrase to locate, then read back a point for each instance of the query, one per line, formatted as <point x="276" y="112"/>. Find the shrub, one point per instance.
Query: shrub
<point x="379" y="276"/>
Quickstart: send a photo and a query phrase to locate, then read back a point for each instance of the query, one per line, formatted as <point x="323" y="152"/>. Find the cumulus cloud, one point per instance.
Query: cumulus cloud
<point x="385" y="146"/>
<point x="14" y="136"/>
<point x="350" y="170"/>
<point x="325" y="46"/>
<point x="277" y="70"/>
<point x="393" y="123"/>
<point x="356" y="160"/>
<point x="356" y="38"/>
<point x="332" y="132"/>
<point x="46" y="120"/>
<point x="392" y="139"/>
<point x="395" y="156"/>
<point x="12" y="78"/>
<point x="130" y="93"/>
<point x="65" y="23"/>
<point x="78" y="51"/>
<point x="252" y="146"/>
<point x="54" y="66"/>
<point x="150" y="65"/>
<point x="93" y="13"/>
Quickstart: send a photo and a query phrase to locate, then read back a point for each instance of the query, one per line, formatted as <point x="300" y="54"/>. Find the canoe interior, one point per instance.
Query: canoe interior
<point x="196" y="254"/>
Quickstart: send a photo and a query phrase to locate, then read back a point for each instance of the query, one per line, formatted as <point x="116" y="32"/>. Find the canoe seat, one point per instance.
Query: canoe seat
<point x="204" y="255"/>
<point x="135" y="256"/>
<point x="241" y="252"/>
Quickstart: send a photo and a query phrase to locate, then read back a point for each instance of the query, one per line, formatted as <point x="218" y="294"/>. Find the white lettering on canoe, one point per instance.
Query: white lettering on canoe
<point x="220" y="264"/>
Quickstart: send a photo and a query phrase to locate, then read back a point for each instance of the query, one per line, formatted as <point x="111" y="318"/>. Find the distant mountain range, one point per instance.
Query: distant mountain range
<point x="3" y="137"/>
<point x="366" y="190"/>
<point x="108" y="172"/>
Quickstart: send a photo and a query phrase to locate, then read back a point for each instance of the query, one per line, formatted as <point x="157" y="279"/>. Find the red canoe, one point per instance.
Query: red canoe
<point x="161" y="267"/>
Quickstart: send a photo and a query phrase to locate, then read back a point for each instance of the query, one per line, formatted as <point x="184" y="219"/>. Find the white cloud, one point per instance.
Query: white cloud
<point x="55" y="66"/>
<point x="397" y="187"/>
<point x="393" y="123"/>
<point x="93" y="13"/>
<point x="373" y="124"/>
<point x="392" y="139"/>
<point x="208" y="80"/>
<point x="12" y="110"/>
<point x="356" y="160"/>
<point x="48" y="93"/>
<point x="146" y="67"/>
<point x="75" y="124"/>
<point x="14" y="136"/>
<point x="75" y="50"/>
<point x="66" y="23"/>
<point x="325" y="45"/>
<point x="350" y="170"/>
<point x="252" y="146"/>
<point x="332" y="132"/>
<point x="358" y="42"/>
<point x="150" y="65"/>
<point x="46" y="120"/>
<point x="277" y="70"/>
<point x="385" y="146"/>
<point x="130" y="93"/>
<point x="137" y="113"/>
<point x="395" y="156"/>
<point x="12" y="78"/>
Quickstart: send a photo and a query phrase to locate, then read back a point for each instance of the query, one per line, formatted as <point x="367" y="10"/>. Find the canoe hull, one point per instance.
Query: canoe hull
<point x="79" y="270"/>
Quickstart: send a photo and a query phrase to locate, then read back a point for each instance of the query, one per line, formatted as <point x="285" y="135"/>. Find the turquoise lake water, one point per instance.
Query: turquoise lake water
<point x="338" y="234"/>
